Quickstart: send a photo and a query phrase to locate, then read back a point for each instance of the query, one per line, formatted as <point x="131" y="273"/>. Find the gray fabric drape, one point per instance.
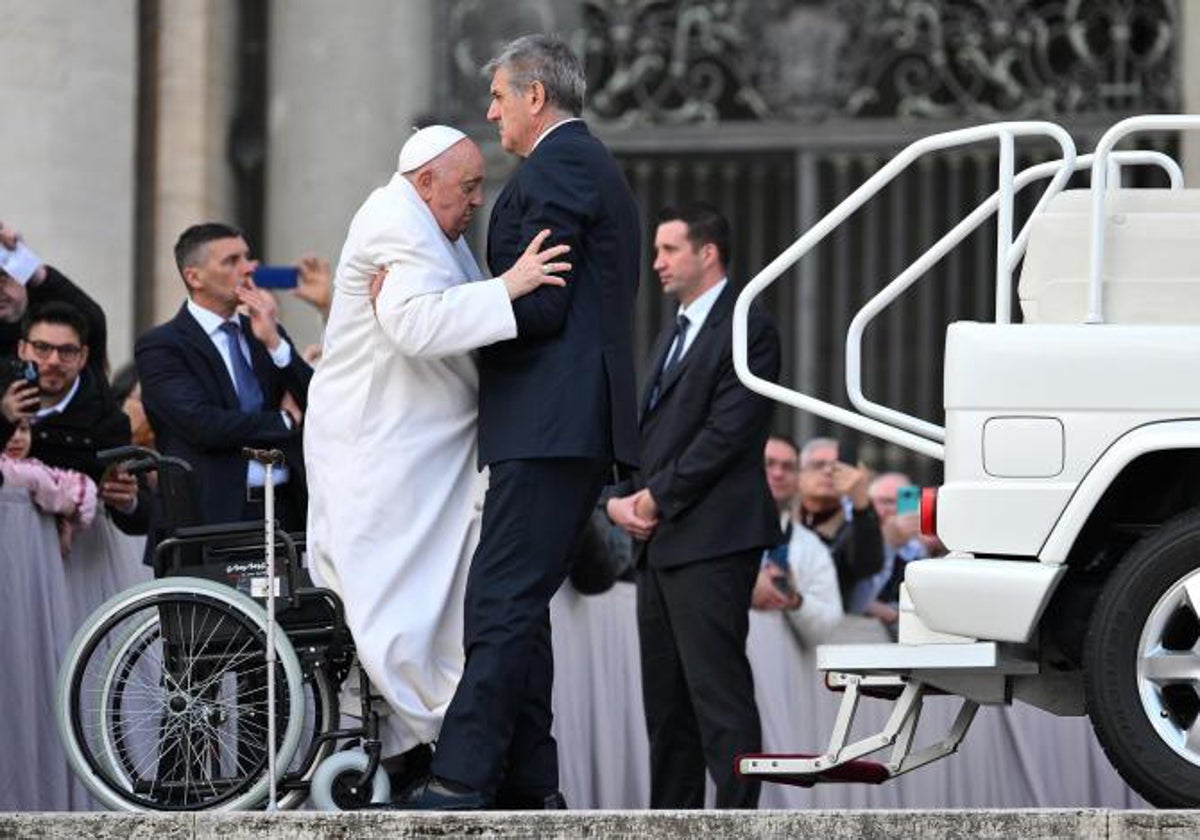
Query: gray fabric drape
<point x="45" y="599"/>
<point x="1012" y="757"/>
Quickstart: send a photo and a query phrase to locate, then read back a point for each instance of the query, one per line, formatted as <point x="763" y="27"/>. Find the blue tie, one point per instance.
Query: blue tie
<point x="249" y="393"/>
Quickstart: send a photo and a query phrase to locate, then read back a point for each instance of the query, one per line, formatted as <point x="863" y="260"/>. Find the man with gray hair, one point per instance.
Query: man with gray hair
<point x="390" y="431"/>
<point x="556" y="410"/>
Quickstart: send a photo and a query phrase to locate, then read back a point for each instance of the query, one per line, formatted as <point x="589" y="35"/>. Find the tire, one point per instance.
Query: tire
<point x="1142" y="669"/>
<point x="175" y="719"/>
<point x="331" y="789"/>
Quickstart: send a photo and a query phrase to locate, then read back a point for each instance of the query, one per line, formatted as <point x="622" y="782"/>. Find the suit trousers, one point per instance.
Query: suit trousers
<point x="496" y="733"/>
<point x="696" y="681"/>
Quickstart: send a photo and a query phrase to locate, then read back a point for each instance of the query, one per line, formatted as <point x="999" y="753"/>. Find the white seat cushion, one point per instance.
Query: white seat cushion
<point x="1151" y="258"/>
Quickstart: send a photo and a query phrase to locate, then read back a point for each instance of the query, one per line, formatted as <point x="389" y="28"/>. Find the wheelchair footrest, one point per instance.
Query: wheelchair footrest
<point x="803" y="770"/>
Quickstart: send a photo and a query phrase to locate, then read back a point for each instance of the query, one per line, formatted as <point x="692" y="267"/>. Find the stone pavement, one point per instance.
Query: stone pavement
<point x="710" y="825"/>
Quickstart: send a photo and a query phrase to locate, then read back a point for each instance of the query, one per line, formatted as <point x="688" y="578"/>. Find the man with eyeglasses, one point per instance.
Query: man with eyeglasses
<point x="834" y="504"/>
<point x="71" y="412"/>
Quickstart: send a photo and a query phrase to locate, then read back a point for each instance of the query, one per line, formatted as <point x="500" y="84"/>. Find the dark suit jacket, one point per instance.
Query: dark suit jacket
<point x="564" y="387"/>
<point x="193" y="407"/>
<point x="702" y="444"/>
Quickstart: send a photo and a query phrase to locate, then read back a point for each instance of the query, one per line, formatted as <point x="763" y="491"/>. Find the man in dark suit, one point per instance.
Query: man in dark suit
<point x="557" y="407"/>
<point x="214" y="382"/>
<point x="702" y="515"/>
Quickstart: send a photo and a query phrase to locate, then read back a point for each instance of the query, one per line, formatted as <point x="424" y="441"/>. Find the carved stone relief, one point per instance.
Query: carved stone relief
<point x="704" y="61"/>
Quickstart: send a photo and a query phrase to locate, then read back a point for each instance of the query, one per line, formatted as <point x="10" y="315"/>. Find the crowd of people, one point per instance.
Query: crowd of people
<point x="497" y="419"/>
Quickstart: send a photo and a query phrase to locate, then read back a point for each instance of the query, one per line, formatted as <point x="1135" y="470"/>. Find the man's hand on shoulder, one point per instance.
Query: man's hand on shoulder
<point x="263" y="310"/>
<point x="377" y="285"/>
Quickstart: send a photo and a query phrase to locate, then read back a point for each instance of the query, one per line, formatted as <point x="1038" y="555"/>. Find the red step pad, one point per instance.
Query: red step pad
<point x="881" y="692"/>
<point x="858" y="770"/>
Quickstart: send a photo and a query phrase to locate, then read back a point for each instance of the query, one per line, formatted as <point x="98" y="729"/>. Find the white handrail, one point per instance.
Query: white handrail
<point x="947" y="243"/>
<point x="1152" y="122"/>
<point x="831" y="220"/>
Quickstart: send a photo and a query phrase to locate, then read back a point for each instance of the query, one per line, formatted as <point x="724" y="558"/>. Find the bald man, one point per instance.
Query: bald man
<point x="390" y="432"/>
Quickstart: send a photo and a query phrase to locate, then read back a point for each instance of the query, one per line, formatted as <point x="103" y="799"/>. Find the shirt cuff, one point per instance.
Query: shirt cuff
<point x="287" y="420"/>
<point x="282" y="355"/>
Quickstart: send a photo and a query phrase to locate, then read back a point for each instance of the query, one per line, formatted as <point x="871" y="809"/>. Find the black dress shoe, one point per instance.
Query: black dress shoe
<point x="408" y="768"/>
<point x="434" y="794"/>
<point x="515" y="800"/>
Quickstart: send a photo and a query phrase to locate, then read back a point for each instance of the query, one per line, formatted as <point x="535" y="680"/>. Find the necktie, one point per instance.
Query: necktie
<point x="681" y="327"/>
<point x="249" y="393"/>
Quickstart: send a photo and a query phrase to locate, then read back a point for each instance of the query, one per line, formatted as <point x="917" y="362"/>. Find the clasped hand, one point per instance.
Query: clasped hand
<point x="636" y="514"/>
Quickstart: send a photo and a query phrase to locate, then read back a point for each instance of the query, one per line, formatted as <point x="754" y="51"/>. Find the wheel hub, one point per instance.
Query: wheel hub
<point x="1169" y="667"/>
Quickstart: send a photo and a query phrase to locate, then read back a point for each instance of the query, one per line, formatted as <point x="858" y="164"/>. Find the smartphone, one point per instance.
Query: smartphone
<point x="12" y="369"/>
<point x="276" y="276"/>
<point x="908" y="499"/>
<point x="20" y="263"/>
<point x="848" y="451"/>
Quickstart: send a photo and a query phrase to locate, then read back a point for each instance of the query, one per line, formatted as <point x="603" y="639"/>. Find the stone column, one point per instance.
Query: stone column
<point x="68" y="94"/>
<point x="1189" y="52"/>
<point x="193" y="101"/>
<point x="346" y="84"/>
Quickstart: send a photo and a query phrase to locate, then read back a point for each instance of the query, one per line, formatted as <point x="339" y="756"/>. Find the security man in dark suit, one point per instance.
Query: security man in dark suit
<point x="701" y="514"/>
<point x="557" y="408"/>
<point x="214" y="381"/>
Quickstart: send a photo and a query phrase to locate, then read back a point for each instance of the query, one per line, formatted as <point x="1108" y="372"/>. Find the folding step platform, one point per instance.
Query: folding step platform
<point x="904" y="675"/>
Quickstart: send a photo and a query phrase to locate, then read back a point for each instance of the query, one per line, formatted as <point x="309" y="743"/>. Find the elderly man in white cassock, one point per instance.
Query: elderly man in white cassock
<point x="390" y="441"/>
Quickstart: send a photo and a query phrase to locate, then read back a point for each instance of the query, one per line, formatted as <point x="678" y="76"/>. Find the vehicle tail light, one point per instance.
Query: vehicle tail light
<point x="929" y="511"/>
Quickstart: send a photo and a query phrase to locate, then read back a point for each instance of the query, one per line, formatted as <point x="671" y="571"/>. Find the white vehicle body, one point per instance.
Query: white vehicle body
<point x="1071" y="495"/>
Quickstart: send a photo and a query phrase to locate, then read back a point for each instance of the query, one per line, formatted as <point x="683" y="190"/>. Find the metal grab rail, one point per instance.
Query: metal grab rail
<point x="1005" y="134"/>
<point x="947" y="243"/>
<point x="1100" y="174"/>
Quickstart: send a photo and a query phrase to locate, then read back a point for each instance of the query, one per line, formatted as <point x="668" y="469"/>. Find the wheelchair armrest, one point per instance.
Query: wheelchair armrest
<point x="221" y="529"/>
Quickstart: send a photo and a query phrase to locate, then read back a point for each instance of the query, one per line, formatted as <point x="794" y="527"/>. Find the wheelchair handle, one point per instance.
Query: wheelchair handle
<point x="263" y="456"/>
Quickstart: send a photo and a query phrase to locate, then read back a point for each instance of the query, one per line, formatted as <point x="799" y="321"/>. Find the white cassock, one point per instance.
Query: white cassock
<point x="394" y="493"/>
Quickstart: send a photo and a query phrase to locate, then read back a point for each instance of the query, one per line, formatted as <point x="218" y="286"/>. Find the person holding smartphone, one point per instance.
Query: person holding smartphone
<point x="834" y="503"/>
<point x="26" y="283"/>
<point x="797" y="577"/>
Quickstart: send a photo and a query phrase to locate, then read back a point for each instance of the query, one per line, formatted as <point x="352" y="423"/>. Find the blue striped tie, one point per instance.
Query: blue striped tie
<point x="249" y="393"/>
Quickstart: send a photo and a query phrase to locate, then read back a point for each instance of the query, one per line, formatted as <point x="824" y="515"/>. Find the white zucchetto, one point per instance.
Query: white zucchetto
<point x="427" y="144"/>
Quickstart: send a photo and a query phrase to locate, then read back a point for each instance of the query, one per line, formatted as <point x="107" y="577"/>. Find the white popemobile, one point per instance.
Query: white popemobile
<point x="1071" y="502"/>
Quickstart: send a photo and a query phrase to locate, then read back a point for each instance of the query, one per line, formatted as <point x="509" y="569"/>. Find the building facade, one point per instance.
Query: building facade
<point x="131" y="119"/>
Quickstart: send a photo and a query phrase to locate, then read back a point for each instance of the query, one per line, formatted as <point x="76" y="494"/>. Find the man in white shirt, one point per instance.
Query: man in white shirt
<point x="797" y="577"/>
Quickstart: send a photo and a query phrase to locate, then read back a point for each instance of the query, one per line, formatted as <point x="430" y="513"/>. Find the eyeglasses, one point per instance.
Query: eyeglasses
<point x="66" y="352"/>
<point x="818" y="466"/>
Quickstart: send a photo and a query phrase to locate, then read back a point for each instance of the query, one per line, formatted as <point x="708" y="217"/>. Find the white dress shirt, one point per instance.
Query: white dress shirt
<point x="697" y="313"/>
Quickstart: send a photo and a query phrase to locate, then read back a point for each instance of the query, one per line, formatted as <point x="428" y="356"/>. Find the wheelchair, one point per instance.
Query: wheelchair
<point x="162" y="701"/>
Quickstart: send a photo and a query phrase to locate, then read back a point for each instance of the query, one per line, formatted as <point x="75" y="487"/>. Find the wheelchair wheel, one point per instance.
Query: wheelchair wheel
<point x="162" y="699"/>
<point x="321" y="714"/>
<point x="332" y="784"/>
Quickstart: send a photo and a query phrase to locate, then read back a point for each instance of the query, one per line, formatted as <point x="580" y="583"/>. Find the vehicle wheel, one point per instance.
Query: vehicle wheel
<point x="162" y="699"/>
<point x="332" y="785"/>
<point x="1142" y="665"/>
